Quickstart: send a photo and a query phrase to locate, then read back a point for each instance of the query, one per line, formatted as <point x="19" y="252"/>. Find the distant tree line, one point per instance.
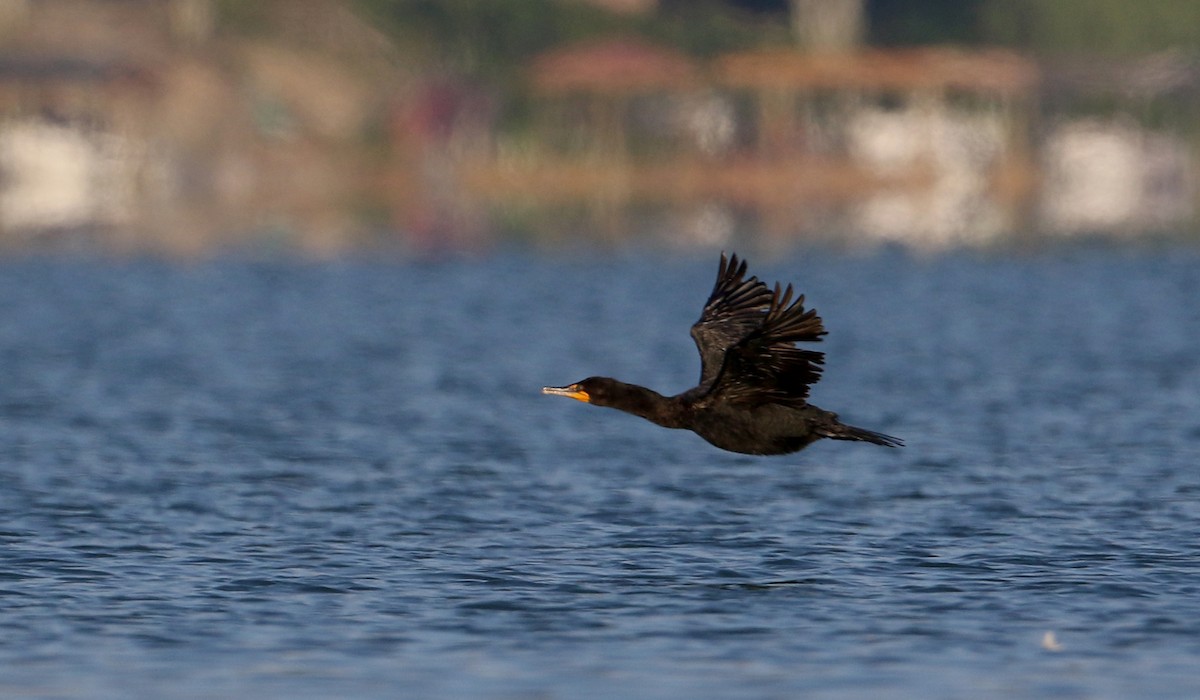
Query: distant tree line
<point x="490" y="38"/>
<point x="1112" y="27"/>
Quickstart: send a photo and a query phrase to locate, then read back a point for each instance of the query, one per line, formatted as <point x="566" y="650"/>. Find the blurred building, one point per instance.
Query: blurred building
<point x="151" y="124"/>
<point x="929" y="147"/>
<point x="140" y="124"/>
<point x="1114" y="176"/>
<point x="72" y="143"/>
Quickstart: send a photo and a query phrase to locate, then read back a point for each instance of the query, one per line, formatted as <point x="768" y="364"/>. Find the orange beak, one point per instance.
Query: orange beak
<point x="572" y="391"/>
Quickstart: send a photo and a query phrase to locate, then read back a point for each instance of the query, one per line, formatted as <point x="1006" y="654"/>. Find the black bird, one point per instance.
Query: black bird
<point x="753" y="391"/>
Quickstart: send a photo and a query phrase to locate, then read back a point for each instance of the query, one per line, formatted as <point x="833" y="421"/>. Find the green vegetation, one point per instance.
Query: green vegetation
<point x="914" y="22"/>
<point x="1092" y="26"/>
<point x="1107" y="27"/>
<point x="709" y="27"/>
<point x="488" y="38"/>
<point x="494" y="39"/>
<point x="240" y="17"/>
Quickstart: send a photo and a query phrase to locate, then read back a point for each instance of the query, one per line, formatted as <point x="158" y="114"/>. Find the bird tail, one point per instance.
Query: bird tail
<point x="841" y="431"/>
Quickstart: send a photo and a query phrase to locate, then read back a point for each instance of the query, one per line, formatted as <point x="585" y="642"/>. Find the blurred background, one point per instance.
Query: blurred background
<point x="280" y="281"/>
<point x="324" y="126"/>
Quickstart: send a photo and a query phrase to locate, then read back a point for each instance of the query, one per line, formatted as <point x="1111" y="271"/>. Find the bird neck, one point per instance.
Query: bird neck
<point x="648" y="404"/>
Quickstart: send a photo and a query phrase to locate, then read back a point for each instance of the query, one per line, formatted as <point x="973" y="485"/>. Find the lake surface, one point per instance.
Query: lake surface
<point x="304" y="480"/>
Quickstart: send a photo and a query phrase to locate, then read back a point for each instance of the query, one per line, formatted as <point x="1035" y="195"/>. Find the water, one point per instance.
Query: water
<point x="289" y="480"/>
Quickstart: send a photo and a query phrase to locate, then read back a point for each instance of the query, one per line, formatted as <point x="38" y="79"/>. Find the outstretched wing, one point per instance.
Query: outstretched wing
<point x="736" y="308"/>
<point x="765" y="366"/>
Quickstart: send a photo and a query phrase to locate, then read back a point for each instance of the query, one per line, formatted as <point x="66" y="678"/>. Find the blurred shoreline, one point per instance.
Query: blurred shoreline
<point x="148" y="126"/>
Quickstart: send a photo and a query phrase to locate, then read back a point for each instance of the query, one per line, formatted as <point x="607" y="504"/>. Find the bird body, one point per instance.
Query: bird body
<point x="754" y="381"/>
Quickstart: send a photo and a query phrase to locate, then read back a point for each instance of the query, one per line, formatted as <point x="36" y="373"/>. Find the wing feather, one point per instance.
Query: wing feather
<point x="735" y="309"/>
<point x="765" y="366"/>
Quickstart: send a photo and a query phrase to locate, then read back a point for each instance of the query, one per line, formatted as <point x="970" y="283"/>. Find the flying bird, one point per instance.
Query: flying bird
<point x="753" y="392"/>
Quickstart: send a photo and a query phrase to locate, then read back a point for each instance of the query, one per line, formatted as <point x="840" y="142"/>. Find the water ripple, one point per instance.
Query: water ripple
<point x="338" y="479"/>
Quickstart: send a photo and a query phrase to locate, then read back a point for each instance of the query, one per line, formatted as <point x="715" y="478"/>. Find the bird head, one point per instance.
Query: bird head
<point x="594" y="390"/>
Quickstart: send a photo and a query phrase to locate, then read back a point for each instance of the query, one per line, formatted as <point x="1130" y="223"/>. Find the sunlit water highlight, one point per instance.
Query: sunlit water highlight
<point x="240" y="479"/>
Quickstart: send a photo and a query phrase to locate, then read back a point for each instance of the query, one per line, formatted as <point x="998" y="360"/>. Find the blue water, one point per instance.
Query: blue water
<point x="301" y="480"/>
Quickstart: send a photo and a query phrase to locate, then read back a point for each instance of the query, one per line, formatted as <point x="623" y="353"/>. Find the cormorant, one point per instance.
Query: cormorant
<point x="753" y="392"/>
